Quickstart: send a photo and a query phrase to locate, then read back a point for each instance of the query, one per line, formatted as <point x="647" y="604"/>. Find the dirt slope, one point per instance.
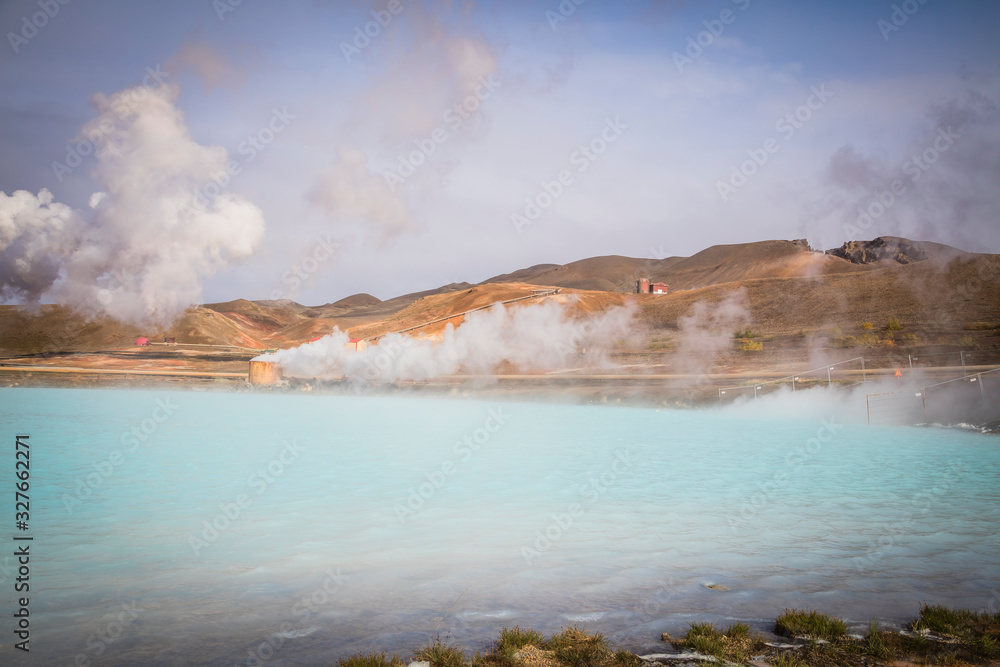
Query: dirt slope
<point x="789" y="288"/>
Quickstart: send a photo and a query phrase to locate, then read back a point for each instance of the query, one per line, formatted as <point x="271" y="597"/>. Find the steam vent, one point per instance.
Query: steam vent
<point x="264" y="372"/>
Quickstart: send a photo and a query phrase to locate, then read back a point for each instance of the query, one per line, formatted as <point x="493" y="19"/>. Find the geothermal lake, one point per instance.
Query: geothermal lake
<point x="237" y="528"/>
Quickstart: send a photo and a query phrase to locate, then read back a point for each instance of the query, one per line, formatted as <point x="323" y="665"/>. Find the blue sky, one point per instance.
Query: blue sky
<point x="870" y="91"/>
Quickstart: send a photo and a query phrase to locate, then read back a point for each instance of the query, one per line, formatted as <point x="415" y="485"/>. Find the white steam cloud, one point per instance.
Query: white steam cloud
<point x="543" y="336"/>
<point x="349" y="192"/>
<point x="35" y="235"/>
<point x="149" y="246"/>
<point x="708" y="330"/>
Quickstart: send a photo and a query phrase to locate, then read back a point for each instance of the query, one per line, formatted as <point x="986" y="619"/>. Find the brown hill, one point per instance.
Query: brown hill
<point x="719" y="264"/>
<point x="789" y="287"/>
<point x="933" y="295"/>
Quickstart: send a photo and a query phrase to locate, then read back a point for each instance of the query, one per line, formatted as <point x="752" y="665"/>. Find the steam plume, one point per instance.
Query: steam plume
<point x="708" y="330"/>
<point x="150" y="243"/>
<point x="541" y="336"/>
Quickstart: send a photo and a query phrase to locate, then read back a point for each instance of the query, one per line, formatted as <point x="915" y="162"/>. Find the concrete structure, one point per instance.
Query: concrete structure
<point x="359" y="344"/>
<point x="264" y="373"/>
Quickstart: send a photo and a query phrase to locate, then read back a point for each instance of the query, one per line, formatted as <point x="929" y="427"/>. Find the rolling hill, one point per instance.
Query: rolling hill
<point x="789" y="288"/>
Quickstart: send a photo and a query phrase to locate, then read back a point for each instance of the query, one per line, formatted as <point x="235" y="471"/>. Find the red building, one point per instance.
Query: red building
<point x="643" y="286"/>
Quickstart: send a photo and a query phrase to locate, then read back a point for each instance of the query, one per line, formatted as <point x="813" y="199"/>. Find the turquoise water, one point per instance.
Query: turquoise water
<point x="346" y="524"/>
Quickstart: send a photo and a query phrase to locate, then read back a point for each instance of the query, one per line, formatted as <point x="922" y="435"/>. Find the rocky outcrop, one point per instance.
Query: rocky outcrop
<point x="900" y="250"/>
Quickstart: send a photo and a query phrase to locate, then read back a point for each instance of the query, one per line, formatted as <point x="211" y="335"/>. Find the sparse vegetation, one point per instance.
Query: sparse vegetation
<point x="516" y="638"/>
<point x="958" y="622"/>
<point x="440" y="654"/>
<point x="371" y="660"/>
<point x="981" y="326"/>
<point x="745" y="334"/>
<point x="751" y="346"/>
<point x="968" y="342"/>
<point x="801" y="623"/>
<point x="734" y="644"/>
<point x="875" y="643"/>
<point x="867" y="326"/>
<point x="971" y="638"/>
<point x="893" y="324"/>
<point x="576" y="648"/>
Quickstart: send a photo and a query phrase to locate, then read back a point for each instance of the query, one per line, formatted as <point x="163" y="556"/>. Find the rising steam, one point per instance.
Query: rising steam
<point x="543" y="336"/>
<point x="708" y="330"/>
<point x="148" y="247"/>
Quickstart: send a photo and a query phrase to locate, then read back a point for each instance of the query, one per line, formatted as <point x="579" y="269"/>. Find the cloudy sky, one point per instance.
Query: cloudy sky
<point x="154" y="155"/>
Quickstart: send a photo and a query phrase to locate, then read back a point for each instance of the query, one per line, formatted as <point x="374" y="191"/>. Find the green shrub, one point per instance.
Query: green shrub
<point x="802" y="623"/>
<point x="440" y="654"/>
<point x="875" y="644"/>
<point x="893" y="324"/>
<point x="785" y="660"/>
<point x="371" y="660"/>
<point x="738" y="629"/>
<point x="516" y="638"/>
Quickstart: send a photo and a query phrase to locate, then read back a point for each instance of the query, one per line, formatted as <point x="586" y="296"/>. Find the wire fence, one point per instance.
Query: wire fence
<point x="972" y="399"/>
<point x="859" y="370"/>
